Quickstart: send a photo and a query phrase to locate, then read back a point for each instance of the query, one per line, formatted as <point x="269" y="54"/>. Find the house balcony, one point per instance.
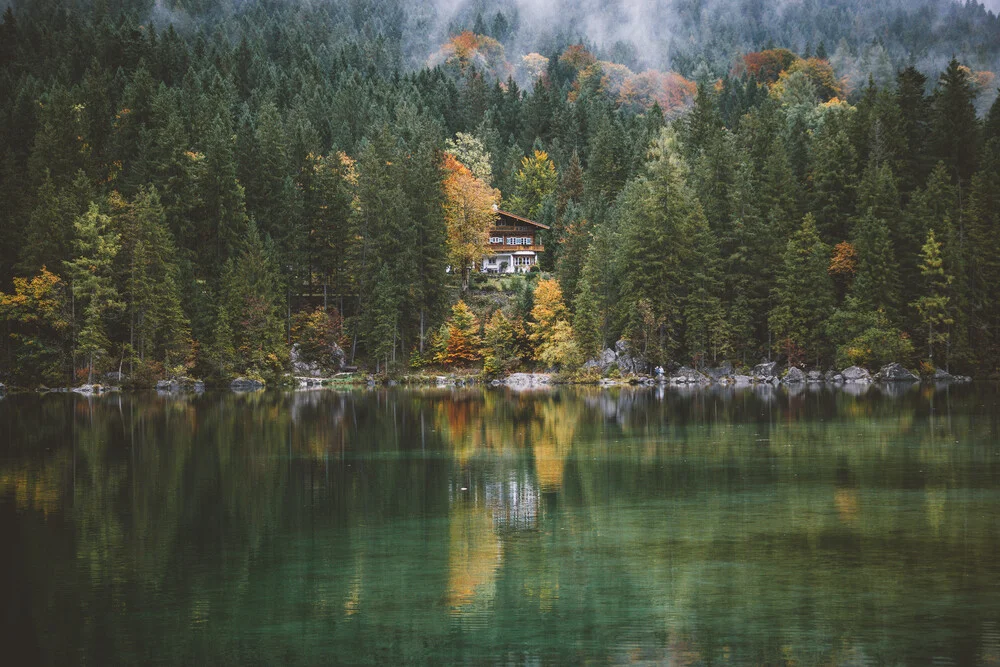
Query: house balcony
<point x="498" y="249"/>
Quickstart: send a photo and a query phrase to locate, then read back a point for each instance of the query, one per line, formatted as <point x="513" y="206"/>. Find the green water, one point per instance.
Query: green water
<point x="443" y="527"/>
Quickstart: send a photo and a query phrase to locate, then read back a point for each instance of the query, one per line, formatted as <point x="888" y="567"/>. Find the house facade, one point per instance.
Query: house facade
<point x="514" y="244"/>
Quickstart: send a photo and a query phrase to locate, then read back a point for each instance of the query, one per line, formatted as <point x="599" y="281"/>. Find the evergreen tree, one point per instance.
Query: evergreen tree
<point x="875" y="284"/>
<point x="803" y="296"/>
<point x="158" y="329"/>
<point x="252" y="299"/>
<point x="955" y="129"/>
<point x="933" y="303"/>
<point x="91" y="272"/>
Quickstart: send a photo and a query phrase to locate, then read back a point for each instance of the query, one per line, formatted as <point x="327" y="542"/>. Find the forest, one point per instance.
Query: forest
<point x="193" y="193"/>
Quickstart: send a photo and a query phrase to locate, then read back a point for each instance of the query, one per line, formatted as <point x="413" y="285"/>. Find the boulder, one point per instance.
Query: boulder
<point x="814" y="376"/>
<point x="686" y="375"/>
<point x="765" y="372"/>
<point x="246" y="384"/>
<point x="895" y="373"/>
<point x="628" y="363"/>
<point x="335" y="360"/>
<point x="182" y="383"/>
<point x="603" y="362"/>
<point x="721" y="372"/>
<point x="941" y="375"/>
<point x="742" y="380"/>
<point x="3" y="389"/>
<point x="90" y="389"/>
<point x="833" y="377"/>
<point x="527" y="380"/>
<point x="794" y="375"/>
<point x="856" y="375"/>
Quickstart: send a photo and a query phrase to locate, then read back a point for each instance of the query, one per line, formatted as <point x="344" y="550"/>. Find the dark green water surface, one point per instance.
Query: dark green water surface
<point x="470" y="526"/>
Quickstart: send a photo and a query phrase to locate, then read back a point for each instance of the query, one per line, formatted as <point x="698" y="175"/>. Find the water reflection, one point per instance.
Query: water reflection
<point x="730" y="525"/>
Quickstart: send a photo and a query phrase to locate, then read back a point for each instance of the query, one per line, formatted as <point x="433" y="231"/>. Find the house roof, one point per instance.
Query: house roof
<point x="505" y="214"/>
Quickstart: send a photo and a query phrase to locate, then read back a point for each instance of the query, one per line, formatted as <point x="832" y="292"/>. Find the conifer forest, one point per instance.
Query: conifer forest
<point x="221" y="188"/>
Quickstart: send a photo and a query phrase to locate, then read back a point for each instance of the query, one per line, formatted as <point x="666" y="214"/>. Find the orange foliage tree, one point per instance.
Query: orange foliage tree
<point x="469" y="213"/>
<point x="670" y="90"/>
<point x="463" y="337"/>
<point x="767" y="65"/>
<point x="467" y="49"/>
<point x="820" y="72"/>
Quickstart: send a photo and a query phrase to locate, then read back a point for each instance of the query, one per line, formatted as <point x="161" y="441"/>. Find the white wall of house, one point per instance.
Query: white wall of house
<point x="516" y="262"/>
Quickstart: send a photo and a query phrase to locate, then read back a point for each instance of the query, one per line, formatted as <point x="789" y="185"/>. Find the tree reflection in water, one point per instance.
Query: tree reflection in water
<point x="721" y="525"/>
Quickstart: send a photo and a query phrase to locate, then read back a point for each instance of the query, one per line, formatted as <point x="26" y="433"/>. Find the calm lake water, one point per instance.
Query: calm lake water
<point x="470" y="526"/>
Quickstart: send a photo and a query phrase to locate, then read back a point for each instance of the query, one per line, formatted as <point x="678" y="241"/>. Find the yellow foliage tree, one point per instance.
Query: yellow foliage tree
<point x="469" y="213"/>
<point x="551" y="331"/>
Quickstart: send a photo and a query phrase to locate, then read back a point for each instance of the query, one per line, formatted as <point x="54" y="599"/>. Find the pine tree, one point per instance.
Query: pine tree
<point x="158" y="328"/>
<point x="93" y="287"/>
<point x="803" y="296"/>
<point x="933" y="303"/>
<point x="984" y="243"/>
<point x="955" y="129"/>
<point x="875" y="284"/>
<point x="252" y="299"/>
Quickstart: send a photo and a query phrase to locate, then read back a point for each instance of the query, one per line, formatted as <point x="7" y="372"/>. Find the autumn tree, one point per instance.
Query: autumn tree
<point x="463" y="337"/>
<point x="499" y="345"/>
<point x="469" y="213"/>
<point x="534" y="182"/>
<point x="37" y="322"/>
<point x="551" y="331"/>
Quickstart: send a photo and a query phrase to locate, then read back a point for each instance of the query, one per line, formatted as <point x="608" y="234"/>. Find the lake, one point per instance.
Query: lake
<point x="728" y="526"/>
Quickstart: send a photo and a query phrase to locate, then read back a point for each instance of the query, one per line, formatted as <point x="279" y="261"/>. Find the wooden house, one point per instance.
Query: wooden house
<point x="514" y="244"/>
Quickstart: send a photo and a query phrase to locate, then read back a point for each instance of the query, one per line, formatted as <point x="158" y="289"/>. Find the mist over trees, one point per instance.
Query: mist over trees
<point x="184" y="186"/>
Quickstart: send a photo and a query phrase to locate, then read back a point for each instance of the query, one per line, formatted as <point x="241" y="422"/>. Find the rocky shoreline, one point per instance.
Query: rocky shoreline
<point x="767" y="374"/>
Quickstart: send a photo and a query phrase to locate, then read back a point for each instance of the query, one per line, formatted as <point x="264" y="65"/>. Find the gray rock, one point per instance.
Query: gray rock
<point x="628" y="363"/>
<point x="833" y="377"/>
<point x="686" y="375"/>
<point x="794" y="375"/>
<point x="742" y="380"/>
<point x="766" y="372"/>
<point x="604" y="361"/>
<point x="182" y="383"/>
<point x="721" y="372"/>
<point x="895" y="373"/>
<point x="527" y="380"/>
<point x="943" y="376"/>
<point x="814" y="376"/>
<point x="3" y="389"/>
<point x="856" y="375"/>
<point x="335" y="361"/>
<point x="91" y="389"/>
<point x="246" y="384"/>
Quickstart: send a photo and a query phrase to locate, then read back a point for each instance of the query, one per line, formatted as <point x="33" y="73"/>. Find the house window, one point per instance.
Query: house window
<point x="496" y="240"/>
